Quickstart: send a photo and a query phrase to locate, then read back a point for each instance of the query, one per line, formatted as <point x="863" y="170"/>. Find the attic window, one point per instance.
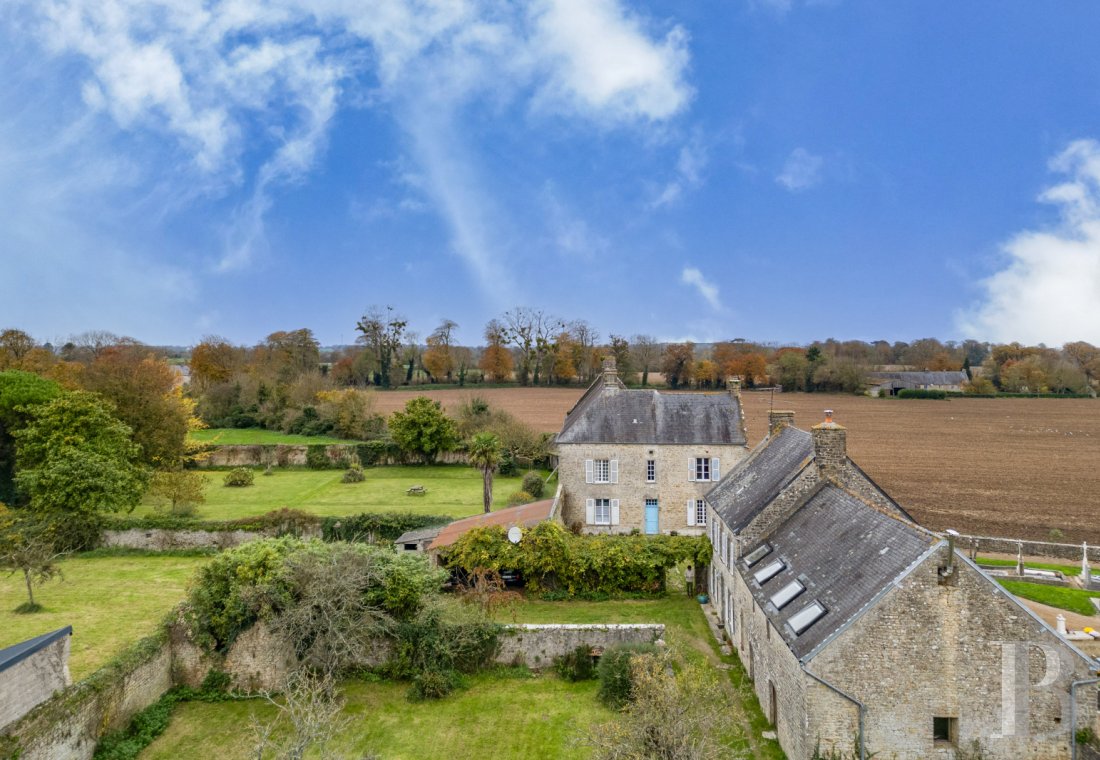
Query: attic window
<point x="806" y="617"/>
<point x="756" y="555"/>
<point x="769" y="571"/>
<point x="785" y="595"/>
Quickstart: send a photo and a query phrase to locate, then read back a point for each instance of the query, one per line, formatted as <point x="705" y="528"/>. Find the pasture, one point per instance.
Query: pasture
<point x="453" y="490"/>
<point x="1013" y="467"/>
<point x="111" y="601"/>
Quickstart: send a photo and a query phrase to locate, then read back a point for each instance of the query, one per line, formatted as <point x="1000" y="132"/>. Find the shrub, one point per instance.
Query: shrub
<point x="317" y="457"/>
<point x="432" y="684"/>
<point x="533" y="484"/>
<point x="576" y="665"/>
<point x="615" y="674"/>
<point x="353" y="475"/>
<point x="519" y="497"/>
<point x="377" y="527"/>
<point x="239" y="477"/>
<point x="508" y="467"/>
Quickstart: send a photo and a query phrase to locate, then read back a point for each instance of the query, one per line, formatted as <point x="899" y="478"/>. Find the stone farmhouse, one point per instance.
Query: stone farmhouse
<point x="856" y="623"/>
<point x="642" y="459"/>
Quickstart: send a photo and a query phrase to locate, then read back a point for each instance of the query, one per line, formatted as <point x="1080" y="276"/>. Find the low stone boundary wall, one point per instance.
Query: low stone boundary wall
<point x="1031" y="548"/>
<point x="159" y="539"/>
<point x="31" y="672"/>
<point x="284" y="455"/>
<point x="537" y="646"/>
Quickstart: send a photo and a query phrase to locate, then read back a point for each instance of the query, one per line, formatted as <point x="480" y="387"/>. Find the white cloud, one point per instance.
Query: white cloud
<point x="689" y="167"/>
<point x="1049" y="290"/>
<point x="801" y="171"/>
<point x="708" y="290"/>
<point x="228" y="80"/>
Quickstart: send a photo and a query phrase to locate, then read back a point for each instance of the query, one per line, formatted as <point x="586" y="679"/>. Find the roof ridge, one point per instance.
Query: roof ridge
<point x="908" y="522"/>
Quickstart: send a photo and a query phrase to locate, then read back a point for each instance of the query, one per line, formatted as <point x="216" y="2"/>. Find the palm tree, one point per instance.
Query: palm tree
<point x="484" y="453"/>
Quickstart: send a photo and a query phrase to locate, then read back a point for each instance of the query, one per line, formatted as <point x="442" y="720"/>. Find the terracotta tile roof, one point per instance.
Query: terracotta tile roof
<point x="525" y="516"/>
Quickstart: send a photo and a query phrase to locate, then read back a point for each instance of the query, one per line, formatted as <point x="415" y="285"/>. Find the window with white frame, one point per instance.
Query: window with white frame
<point x="700" y="512"/>
<point x="602" y="513"/>
<point x="651" y="471"/>
<point x="601" y="471"/>
<point x="702" y="468"/>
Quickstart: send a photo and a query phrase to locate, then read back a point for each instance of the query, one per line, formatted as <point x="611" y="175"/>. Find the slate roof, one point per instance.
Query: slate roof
<point x="844" y="551"/>
<point x="525" y="516"/>
<point x="16" y="653"/>
<point x="919" y="378"/>
<point x="750" y="487"/>
<point x="618" y="415"/>
<point x="421" y="534"/>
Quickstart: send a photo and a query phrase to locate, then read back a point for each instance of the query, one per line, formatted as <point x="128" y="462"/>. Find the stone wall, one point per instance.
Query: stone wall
<point x="537" y="646"/>
<point x="989" y="544"/>
<point x="158" y="539"/>
<point x="672" y="488"/>
<point x="282" y="455"/>
<point x="35" y="678"/>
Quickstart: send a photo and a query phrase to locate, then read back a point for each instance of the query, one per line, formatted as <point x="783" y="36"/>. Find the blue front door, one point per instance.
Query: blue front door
<point x="651" y="525"/>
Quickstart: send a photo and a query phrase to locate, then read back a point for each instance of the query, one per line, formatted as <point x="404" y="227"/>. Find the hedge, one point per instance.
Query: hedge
<point x="551" y="559"/>
<point x="282" y="521"/>
<point x="922" y="393"/>
<point x="378" y="526"/>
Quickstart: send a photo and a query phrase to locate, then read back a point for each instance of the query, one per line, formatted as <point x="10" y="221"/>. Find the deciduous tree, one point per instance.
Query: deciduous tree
<point x="26" y="547"/>
<point x="496" y="359"/>
<point x="678" y="364"/>
<point x="423" y="430"/>
<point x="646" y="353"/>
<point x="20" y="393"/>
<point x="382" y="331"/>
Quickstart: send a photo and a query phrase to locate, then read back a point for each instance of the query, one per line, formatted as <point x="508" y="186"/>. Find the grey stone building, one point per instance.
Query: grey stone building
<point x="889" y="383"/>
<point x="642" y="459"/>
<point x="856" y="623"/>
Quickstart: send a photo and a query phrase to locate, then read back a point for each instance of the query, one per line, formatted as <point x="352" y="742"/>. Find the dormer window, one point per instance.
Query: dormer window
<point x="768" y="571"/>
<point x="806" y="617"/>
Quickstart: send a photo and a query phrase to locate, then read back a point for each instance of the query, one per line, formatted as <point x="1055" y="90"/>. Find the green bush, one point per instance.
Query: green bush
<point x="239" y="477"/>
<point x="377" y="527"/>
<point x="433" y="651"/>
<point x="433" y="684"/>
<point x="533" y="484"/>
<point x="616" y="678"/>
<point x="508" y="467"/>
<point x="577" y="665"/>
<point x="353" y="475"/>
<point x="373" y="452"/>
<point x="922" y="393"/>
<point x="317" y="457"/>
<point x="519" y="497"/>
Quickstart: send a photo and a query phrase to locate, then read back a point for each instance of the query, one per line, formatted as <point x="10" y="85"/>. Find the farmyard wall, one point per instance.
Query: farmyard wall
<point x="33" y="675"/>
<point x="537" y="646"/>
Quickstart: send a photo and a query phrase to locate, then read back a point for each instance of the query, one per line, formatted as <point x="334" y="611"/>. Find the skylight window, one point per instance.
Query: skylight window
<point x="785" y="595"/>
<point x="769" y="571"/>
<point x="756" y="555"/>
<point x="806" y="617"/>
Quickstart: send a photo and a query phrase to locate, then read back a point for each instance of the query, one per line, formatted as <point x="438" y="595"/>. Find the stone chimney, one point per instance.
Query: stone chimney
<point x="610" y="373"/>
<point x="777" y="420"/>
<point x="733" y="385"/>
<point x="830" y="444"/>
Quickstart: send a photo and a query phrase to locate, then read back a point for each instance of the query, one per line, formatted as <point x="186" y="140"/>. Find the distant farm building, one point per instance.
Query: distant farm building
<point x="889" y="383"/>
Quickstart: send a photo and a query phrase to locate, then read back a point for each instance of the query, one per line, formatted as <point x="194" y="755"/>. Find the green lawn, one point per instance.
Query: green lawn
<point x="499" y="716"/>
<point x="1067" y="570"/>
<point x="452" y="490"/>
<point x="1072" y="599"/>
<point x="245" y="436"/>
<point x="110" y="602"/>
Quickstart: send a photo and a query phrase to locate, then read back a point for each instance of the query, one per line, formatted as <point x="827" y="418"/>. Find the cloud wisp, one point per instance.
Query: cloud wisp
<point x="707" y="289"/>
<point x="1049" y="289"/>
<point x="801" y="171"/>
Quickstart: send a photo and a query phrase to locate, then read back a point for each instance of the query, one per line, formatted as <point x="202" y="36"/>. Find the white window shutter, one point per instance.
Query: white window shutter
<point x="588" y="472"/>
<point x="715" y="468"/>
<point x="614" y="470"/>
<point x="691" y="469"/>
<point x="590" y="511"/>
<point x="614" y="511"/>
<point x="691" y="511"/>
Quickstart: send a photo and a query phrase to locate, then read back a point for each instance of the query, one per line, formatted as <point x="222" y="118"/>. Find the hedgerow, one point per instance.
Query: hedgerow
<point x="280" y="521"/>
<point x="377" y="527"/>
<point x="551" y="559"/>
<point x="922" y="393"/>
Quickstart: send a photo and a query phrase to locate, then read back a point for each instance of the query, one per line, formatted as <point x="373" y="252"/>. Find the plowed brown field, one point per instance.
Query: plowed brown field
<point x="1002" y="467"/>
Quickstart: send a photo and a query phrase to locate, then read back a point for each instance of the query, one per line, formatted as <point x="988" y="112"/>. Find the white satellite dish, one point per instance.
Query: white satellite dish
<point x="515" y="534"/>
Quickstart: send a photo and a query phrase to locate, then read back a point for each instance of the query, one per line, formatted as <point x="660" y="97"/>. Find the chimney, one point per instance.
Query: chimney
<point x="777" y="420"/>
<point x="946" y="571"/>
<point x="733" y="385"/>
<point x="830" y="444"/>
<point x="610" y="373"/>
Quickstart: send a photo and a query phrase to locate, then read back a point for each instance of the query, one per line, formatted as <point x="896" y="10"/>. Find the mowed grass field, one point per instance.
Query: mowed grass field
<point x="499" y="716"/>
<point x="248" y="436"/>
<point x="453" y="490"/>
<point x="1012" y="467"/>
<point x="110" y="601"/>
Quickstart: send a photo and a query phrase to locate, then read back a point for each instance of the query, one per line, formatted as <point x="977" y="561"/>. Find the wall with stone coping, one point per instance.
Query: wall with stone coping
<point x="537" y="646"/>
<point x="990" y="544"/>
<point x="158" y="539"/>
<point x="34" y="679"/>
<point x="284" y="455"/>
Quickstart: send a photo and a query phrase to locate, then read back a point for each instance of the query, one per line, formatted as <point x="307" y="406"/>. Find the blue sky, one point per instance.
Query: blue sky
<point x="781" y="170"/>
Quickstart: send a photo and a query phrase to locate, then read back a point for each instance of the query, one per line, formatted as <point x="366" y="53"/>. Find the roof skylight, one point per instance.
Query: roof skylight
<point x="756" y="555"/>
<point x="769" y="571"/>
<point x="785" y="595"/>
<point x="806" y="617"/>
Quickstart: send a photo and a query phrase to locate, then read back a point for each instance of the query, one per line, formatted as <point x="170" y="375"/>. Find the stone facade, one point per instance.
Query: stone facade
<point x="34" y="678"/>
<point x="537" y="646"/>
<point x="673" y="486"/>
